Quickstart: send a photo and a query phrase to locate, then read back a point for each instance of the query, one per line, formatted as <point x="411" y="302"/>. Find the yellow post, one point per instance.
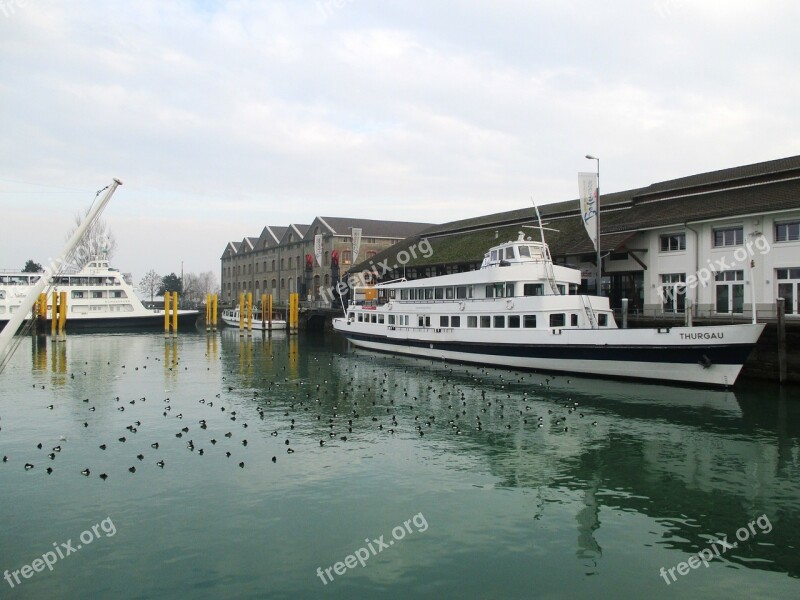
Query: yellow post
<point x="269" y="311"/>
<point x="43" y="306"/>
<point x="54" y="314"/>
<point x="175" y="313"/>
<point x="263" y="311"/>
<point x="249" y="313"/>
<point x="294" y="311"/>
<point x="208" y="312"/>
<point x="214" y="314"/>
<point x="62" y="315"/>
<point x="241" y="314"/>
<point x="167" y="297"/>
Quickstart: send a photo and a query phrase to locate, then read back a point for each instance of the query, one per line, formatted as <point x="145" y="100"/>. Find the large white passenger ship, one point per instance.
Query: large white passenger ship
<point x="98" y="297"/>
<point x="519" y="310"/>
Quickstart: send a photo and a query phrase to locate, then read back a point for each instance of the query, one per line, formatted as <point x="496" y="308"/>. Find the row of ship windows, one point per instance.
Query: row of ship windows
<point x="495" y="290"/>
<point x="97" y="294"/>
<point x="94" y="308"/>
<point x="474" y="321"/>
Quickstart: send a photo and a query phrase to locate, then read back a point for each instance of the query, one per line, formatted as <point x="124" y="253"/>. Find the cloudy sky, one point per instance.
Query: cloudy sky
<point x="221" y="117"/>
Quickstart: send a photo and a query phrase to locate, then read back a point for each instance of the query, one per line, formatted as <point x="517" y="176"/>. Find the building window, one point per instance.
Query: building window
<point x="673" y="242"/>
<point x="558" y="320"/>
<point x="787" y="232"/>
<point x="673" y="292"/>
<point x="371" y="253"/>
<point x="731" y="236"/>
<point x="730" y="292"/>
<point x="347" y="257"/>
<point x="789" y="288"/>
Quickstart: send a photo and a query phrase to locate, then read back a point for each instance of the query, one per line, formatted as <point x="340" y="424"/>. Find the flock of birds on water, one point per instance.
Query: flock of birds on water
<point x="371" y="394"/>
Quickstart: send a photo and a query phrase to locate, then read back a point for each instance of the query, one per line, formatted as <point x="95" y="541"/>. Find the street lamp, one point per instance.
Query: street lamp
<point x="597" y="223"/>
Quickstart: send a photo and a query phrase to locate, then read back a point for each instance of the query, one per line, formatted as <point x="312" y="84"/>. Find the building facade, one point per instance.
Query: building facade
<point x="282" y="260"/>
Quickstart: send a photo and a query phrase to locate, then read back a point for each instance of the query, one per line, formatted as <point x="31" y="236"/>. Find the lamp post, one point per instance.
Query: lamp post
<point x="599" y="276"/>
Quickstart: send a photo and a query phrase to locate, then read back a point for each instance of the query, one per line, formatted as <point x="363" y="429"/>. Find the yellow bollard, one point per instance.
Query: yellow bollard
<point x="62" y="316"/>
<point x="241" y="314"/>
<point x="263" y="311"/>
<point x="269" y="311"/>
<point x="175" y="313"/>
<point x="249" y="313"/>
<point x="54" y="314"/>
<point x="208" y="312"/>
<point x="167" y="297"/>
<point x="214" y="313"/>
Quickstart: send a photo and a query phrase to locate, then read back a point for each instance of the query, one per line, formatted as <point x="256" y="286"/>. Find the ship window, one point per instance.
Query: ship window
<point x="602" y="320"/>
<point x="449" y="293"/>
<point x="529" y="321"/>
<point x="391" y="320"/>
<point x="486" y="321"/>
<point x="403" y="294"/>
<point x="421" y="321"/>
<point x="351" y="316"/>
<point x="499" y="321"/>
<point x="360" y="318"/>
<point x="513" y="320"/>
<point x="562" y="289"/>
<point x="574" y="320"/>
<point x="533" y="289"/>
<point x="510" y="252"/>
<point x="97" y="294"/>
<point x="428" y="293"/>
<point x="524" y="251"/>
<point x="558" y="320"/>
<point x="472" y="321"/>
<point x="444" y="321"/>
<point x="439" y="293"/>
<point x="509" y="290"/>
<point x="455" y="321"/>
<point x="373" y="318"/>
<point x="490" y="291"/>
<point x="494" y="255"/>
<point x="461" y="292"/>
<point x="118" y="294"/>
<point x="573" y="288"/>
<point x="77" y="294"/>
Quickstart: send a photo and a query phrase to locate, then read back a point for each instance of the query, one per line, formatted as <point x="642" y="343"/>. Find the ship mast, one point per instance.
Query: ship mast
<point x="7" y="334"/>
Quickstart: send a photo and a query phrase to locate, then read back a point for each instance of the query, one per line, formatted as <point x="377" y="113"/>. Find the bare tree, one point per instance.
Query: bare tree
<point x="150" y="283"/>
<point x="197" y="285"/>
<point x="98" y="241"/>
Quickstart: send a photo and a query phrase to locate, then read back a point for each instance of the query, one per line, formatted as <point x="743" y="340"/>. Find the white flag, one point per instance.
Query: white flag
<point x="587" y="190"/>
<point x="356" y="238"/>
<point x="318" y="248"/>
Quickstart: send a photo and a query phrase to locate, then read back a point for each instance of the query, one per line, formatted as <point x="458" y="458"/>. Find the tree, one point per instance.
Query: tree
<point x="32" y="267"/>
<point x="150" y="284"/>
<point x="197" y="285"/>
<point x="170" y="283"/>
<point x="96" y="241"/>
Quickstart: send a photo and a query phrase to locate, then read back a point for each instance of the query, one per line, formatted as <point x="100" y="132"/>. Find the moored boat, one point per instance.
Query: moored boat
<point x="231" y="317"/>
<point x="98" y="297"/>
<point x="521" y="311"/>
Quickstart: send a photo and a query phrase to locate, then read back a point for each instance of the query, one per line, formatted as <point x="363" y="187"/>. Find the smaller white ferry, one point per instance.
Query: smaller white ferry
<point x="230" y="316"/>
<point x="521" y="311"/>
<point x="98" y="297"/>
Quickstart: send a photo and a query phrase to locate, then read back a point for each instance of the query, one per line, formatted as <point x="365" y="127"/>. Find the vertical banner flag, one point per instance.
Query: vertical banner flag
<point x="587" y="190"/>
<point x="318" y="248"/>
<point x="356" y="237"/>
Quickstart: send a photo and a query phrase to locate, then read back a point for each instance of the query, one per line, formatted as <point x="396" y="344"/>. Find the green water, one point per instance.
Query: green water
<point x="440" y="461"/>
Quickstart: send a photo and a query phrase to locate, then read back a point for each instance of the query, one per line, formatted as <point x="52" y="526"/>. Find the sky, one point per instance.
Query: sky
<point x="223" y="117"/>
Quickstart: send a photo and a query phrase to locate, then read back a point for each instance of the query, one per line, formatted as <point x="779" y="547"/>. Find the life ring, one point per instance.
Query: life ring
<point x="509" y="303"/>
<point x="461" y="305"/>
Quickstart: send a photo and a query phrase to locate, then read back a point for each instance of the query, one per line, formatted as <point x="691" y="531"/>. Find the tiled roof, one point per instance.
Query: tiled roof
<point x="374" y="227"/>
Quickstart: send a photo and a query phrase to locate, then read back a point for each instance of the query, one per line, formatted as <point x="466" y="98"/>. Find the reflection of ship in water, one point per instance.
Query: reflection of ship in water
<point x="697" y="462"/>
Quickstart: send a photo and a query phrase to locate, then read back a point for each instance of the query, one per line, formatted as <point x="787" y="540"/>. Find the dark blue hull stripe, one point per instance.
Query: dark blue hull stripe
<point x="730" y="354"/>
<point x="118" y="323"/>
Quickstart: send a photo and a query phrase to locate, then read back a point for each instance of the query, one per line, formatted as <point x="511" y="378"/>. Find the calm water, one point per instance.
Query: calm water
<point x="447" y="462"/>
